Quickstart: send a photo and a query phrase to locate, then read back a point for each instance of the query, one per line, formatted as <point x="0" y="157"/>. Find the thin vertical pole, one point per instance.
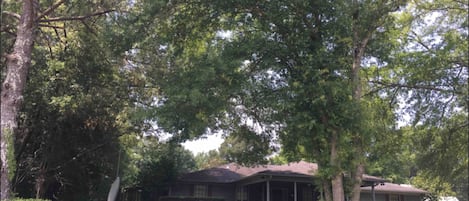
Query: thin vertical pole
<point x="118" y="163"/>
<point x="268" y="191"/>
<point x="295" y="196"/>
<point x="373" y="191"/>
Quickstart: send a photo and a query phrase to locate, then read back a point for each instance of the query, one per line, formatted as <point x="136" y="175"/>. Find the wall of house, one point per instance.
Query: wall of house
<point x="412" y="198"/>
<point x="181" y="189"/>
<point x="368" y="197"/>
<point x="226" y="191"/>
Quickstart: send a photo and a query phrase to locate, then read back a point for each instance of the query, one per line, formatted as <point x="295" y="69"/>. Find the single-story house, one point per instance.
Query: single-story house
<point x="292" y="182"/>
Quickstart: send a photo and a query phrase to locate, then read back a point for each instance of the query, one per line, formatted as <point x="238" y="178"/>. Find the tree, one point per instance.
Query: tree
<point x="152" y="165"/>
<point x="74" y="96"/>
<point x="32" y="18"/>
<point x="307" y="79"/>
<point x="18" y="63"/>
<point x="426" y="73"/>
<point x="307" y="74"/>
<point x="443" y="166"/>
<point x="245" y="147"/>
<point x="313" y="75"/>
<point x="210" y="159"/>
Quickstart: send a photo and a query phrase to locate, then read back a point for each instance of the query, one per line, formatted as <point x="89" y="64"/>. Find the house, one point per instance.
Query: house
<point x="292" y="182"/>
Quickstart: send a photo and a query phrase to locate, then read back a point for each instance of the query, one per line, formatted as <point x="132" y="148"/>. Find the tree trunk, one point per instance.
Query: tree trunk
<point x="326" y="185"/>
<point x="338" y="188"/>
<point x="337" y="180"/>
<point x="359" y="45"/>
<point x="40" y="185"/>
<point x="18" y="63"/>
<point x="359" y="170"/>
<point x="357" y="177"/>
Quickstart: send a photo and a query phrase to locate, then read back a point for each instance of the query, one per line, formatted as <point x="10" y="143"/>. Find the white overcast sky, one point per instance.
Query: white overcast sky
<point x="204" y="145"/>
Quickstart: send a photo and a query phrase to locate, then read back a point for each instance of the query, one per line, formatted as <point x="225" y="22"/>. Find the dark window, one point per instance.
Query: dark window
<point x="200" y="191"/>
<point x="307" y="194"/>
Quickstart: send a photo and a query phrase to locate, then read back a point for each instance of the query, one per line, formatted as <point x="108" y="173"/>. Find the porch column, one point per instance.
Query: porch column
<point x="295" y="196"/>
<point x="268" y="190"/>
<point x="373" y="191"/>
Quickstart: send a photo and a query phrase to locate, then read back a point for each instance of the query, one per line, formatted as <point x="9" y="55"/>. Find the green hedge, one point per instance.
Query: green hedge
<point x="27" y="199"/>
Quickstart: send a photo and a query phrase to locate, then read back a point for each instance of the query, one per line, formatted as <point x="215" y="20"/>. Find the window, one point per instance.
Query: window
<point x="307" y="194"/>
<point x="395" y="197"/>
<point x="200" y="191"/>
<point x="242" y="194"/>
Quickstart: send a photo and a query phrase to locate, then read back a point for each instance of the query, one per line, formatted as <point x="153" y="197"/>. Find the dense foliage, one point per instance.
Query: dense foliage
<point x="150" y="166"/>
<point x="380" y="86"/>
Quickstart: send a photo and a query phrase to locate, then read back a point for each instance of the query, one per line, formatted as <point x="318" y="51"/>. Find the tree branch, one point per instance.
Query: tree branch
<point x="12" y="14"/>
<point x="51" y="26"/>
<point x="75" y="18"/>
<point x="77" y="156"/>
<point x="50" y="9"/>
<point x="424" y="87"/>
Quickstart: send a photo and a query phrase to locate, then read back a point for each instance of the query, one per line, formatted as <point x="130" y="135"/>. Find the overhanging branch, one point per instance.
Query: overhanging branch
<point x="51" y="26"/>
<point x="75" y="18"/>
<point x="424" y="87"/>
<point x="50" y="9"/>
<point x="12" y="14"/>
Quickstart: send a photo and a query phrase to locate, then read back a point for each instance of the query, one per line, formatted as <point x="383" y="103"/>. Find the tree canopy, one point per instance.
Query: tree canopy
<point x="355" y="86"/>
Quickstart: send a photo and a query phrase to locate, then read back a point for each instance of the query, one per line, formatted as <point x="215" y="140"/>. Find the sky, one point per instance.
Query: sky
<point x="204" y="145"/>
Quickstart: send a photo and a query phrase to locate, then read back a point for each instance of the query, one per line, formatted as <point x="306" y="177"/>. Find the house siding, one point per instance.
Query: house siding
<point x="226" y="191"/>
<point x="368" y="197"/>
<point x="181" y="190"/>
<point x="412" y="198"/>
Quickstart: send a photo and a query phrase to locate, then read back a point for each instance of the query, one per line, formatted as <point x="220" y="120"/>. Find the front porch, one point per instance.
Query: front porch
<point x="271" y="188"/>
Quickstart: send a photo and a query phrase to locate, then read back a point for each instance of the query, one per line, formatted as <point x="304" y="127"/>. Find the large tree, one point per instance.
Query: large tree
<point x="324" y="79"/>
<point x="427" y="75"/>
<point x="151" y="165"/>
<point x="26" y="22"/>
<point x="72" y="95"/>
<point x="290" y="68"/>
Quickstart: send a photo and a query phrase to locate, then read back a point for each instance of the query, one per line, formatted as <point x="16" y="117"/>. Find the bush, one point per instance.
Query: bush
<point x="27" y="199"/>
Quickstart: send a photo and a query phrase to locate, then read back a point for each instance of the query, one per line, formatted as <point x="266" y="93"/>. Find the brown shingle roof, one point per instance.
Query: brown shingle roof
<point x="395" y="188"/>
<point x="233" y="172"/>
<point x="299" y="168"/>
<point x="213" y="175"/>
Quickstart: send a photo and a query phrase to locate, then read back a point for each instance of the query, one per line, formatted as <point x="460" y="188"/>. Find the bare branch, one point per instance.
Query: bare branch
<point x="420" y="42"/>
<point x="74" y="18"/>
<point x="51" y="26"/>
<point x="50" y="9"/>
<point x="12" y="14"/>
<point x="424" y="87"/>
<point x="77" y="156"/>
